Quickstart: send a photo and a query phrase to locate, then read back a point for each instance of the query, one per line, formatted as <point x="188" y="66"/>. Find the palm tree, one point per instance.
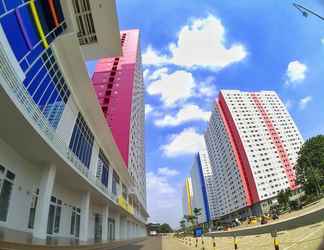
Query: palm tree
<point x="183" y="224"/>
<point x="189" y="218"/>
<point x="197" y="212"/>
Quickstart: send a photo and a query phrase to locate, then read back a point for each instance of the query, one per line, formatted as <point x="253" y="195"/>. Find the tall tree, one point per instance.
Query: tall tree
<point x="197" y="212"/>
<point x="183" y="224"/>
<point x="189" y="218"/>
<point x="310" y="165"/>
<point x="283" y="197"/>
<point x="165" y="228"/>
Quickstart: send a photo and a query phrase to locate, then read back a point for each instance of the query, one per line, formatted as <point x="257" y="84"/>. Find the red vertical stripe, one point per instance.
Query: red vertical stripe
<point x="276" y="141"/>
<point x="239" y="152"/>
<point x="53" y="12"/>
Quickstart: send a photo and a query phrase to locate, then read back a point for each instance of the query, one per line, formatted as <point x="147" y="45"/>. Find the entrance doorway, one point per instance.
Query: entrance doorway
<point x="98" y="227"/>
<point x="111" y="229"/>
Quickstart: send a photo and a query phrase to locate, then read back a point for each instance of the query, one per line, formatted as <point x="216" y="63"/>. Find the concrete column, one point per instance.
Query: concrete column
<point x="117" y="227"/>
<point x="105" y="223"/>
<point x="123" y="228"/>
<point x="45" y="192"/>
<point x="85" y="214"/>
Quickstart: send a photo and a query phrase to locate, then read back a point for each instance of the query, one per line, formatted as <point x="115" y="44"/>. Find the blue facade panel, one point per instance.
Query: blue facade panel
<point x="12" y="4"/>
<point x="204" y="190"/>
<point x="104" y="177"/>
<point x="2" y="9"/>
<point x="15" y="37"/>
<point x="29" y="24"/>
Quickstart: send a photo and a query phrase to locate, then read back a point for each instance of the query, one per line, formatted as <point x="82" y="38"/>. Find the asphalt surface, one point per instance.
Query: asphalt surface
<point x="152" y="243"/>
<point x="288" y="224"/>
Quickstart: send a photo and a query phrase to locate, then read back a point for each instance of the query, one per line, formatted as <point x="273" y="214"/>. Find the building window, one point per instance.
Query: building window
<point x="115" y="182"/>
<point x="54" y="216"/>
<point x="75" y="222"/>
<point x="46" y="85"/>
<point x="103" y="168"/>
<point x="82" y="141"/>
<point x="32" y="210"/>
<point x="6" y="183"/>
<point x="124" y="191"/>
<point x="86" y="29"/>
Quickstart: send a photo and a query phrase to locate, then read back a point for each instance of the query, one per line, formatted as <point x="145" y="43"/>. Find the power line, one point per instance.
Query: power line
<point x="305" y="11"/>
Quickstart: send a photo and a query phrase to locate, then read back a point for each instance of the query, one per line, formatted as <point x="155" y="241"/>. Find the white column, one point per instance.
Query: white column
<point x="85" y="213"/>
<point x="105" y="223"/>
<point x="45" y="192"/>
<point x="117" y="226"/>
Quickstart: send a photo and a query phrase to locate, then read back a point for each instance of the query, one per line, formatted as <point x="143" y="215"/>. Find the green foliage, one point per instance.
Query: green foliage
<point x="189" y="218"/>
<point x="283" y="198"/>
<point x="197" y="212"/>
<point x="165" y="228"/>
<point x="183" y="224"/>
<point x="310" y="165"/>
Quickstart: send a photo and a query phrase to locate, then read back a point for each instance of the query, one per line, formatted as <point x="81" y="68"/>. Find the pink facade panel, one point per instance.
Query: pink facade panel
<point x="113" y="81"/>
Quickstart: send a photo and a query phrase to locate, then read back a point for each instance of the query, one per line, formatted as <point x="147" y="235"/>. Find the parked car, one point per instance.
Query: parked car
<point x="265" y="219"/>
<point x="252" y="220"/>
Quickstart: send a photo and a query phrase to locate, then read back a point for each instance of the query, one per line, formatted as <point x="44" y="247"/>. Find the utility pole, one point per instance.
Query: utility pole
<point x="305" y="12"/>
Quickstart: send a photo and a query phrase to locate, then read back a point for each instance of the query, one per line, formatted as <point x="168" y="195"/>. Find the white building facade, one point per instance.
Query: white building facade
<point x="252" y="143"/>
<point x="61" y="173"/>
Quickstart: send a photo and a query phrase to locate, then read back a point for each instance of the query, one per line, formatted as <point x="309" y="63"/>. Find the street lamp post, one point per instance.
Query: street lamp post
<point x="305" y="12"/>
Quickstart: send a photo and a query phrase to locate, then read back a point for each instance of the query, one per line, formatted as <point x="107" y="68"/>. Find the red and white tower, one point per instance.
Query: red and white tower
<point x="120" y="90"/>
<point x="253" y="146"/>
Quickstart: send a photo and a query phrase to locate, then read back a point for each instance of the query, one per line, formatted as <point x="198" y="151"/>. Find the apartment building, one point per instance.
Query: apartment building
<point x="253" y="145"/>
<point x="62" y="174"/>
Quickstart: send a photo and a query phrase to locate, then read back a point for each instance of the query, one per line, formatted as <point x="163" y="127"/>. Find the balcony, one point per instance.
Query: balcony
<point x="96" y="25"/>
<point x="17" y="126"/>
<point x="125" y="205"/>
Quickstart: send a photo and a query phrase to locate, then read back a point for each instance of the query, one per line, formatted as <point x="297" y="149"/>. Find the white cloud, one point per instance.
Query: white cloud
<point x="189" y="112"/>
<point x="167" y="171"/>
<point x="322" y="40"/>
<point x="174" y="87"/>
<point x="288" y="104"/>
<point x="162" y="197"/>
<point x="187" y="141"/>
<point x="304" y="102"/>
<point x="296" y="73"/>
<point x="148" y="109"/>
<point x="201" y="43"/>
<point x="152" y="57"/>
<point x="157" y="74"/>
<point x="207" y="88"/>
<point x="146" y="73"/>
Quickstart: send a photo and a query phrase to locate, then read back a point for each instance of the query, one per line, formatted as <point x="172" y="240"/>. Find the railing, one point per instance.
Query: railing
<point x="15" y="88"/>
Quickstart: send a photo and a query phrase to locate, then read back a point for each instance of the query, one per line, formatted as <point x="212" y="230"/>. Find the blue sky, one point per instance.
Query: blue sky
<point x="190" y="51"/>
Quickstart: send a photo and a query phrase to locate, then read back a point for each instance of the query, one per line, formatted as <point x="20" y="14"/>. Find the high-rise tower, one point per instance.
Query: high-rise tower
<point x="119" y="86"/>
<point x="253" y="146"/>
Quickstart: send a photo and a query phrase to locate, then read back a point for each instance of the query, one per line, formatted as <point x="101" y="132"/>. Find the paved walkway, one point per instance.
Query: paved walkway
<point x="303" y="238"/>
<point x="169" y="243"/>
<point x="152" y="243"/>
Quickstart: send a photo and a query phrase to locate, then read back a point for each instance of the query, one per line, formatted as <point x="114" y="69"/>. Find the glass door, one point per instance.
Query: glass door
<point x="54" y="216"/>
<point x="75" y="222"/>
<point x="111" y="229"/>
<point x="98" y="227"/>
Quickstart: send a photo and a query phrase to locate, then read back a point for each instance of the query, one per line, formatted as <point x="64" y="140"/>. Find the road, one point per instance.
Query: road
<point x="309" y="218"/>
<point x="153" y="243"/>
